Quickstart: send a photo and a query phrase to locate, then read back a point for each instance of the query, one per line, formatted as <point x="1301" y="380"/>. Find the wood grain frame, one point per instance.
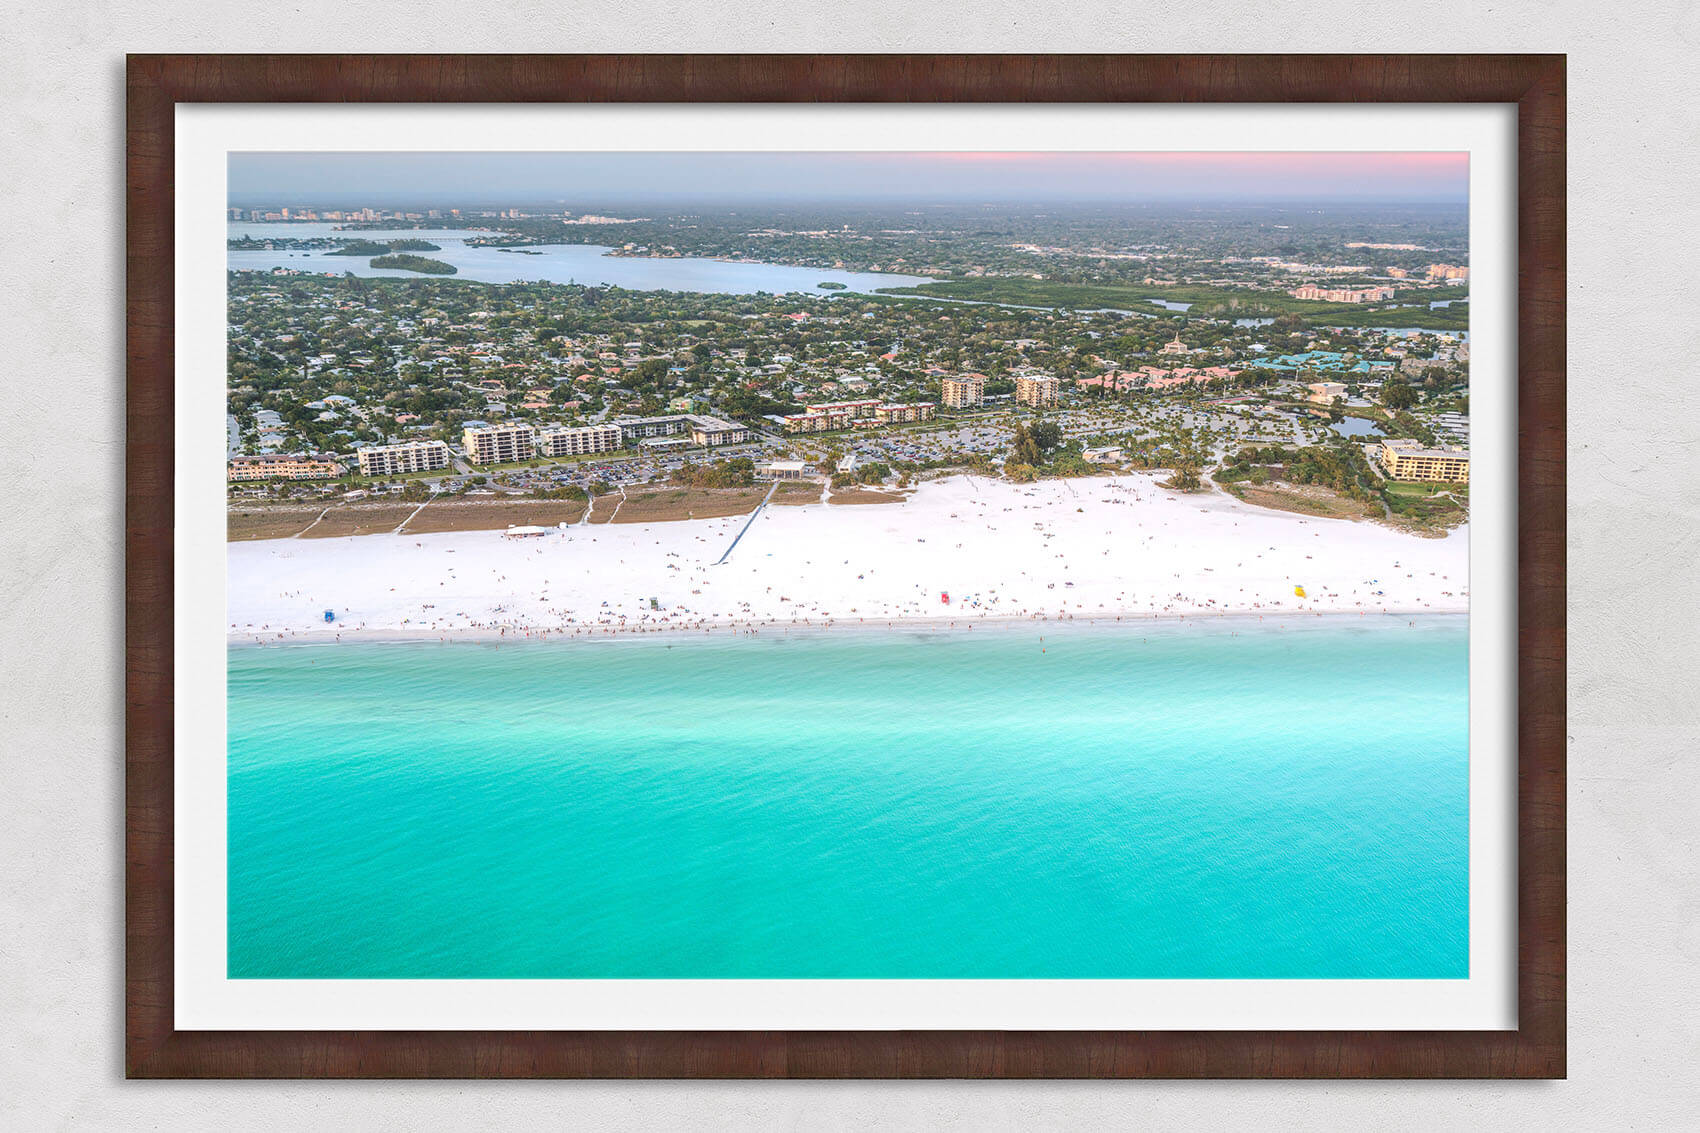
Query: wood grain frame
<point x="156" y="83"/>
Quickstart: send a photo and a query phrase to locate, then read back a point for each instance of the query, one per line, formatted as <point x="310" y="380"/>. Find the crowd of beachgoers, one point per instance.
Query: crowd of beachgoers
<point x="960" y="551"/>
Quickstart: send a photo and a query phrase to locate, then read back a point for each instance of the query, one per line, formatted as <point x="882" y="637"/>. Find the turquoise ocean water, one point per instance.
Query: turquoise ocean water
<point x="1170" y="800"/>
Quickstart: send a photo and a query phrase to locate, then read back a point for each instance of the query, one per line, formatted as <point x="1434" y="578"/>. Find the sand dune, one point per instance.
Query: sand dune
<point x="1094" y="548"/>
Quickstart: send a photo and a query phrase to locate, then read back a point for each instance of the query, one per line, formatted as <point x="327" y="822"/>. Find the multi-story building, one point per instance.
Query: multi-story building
<point x="712" y="431"/>
<point x="1448" y="271"/>
<point x="845" y="415"/>
<point x="1405" y="459"/>
<point x="499" y="444"/>
<point x="581" y="441"/>
<point x="638" y="428"/>
<point x="1037" y="390"/>
<point x="1342" y="294"/>
<point x="409" y="456"/>
<point x="1324" y="393"/>
<point x="816" y="422"/>
<point x="284" y="466"/>
<point x="898" y="414"/>
<point x="708" y="431"/>
<point x="854" y="409"/>
<point x="963" y="391"/>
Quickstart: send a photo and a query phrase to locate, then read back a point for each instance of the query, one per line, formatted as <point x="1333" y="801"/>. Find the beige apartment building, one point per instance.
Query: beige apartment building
<point x="409" y="456"/>
<point x="499" y="444"/>
<point x="900" y="414"/>
<point x="283" y="466"/>
<point x="1037" y="390"/>
<point x="712" y="431"/>
<point x="843" y="415"/>
<point x="855" y="410"/>
<point x="964" y="391"/>
<point x="1405" y="459"/>
<point x="1324" y="393"/>
<point x="581" y="441"/>
<point x="816" y="422"/>
<point x="1342" y="294"/>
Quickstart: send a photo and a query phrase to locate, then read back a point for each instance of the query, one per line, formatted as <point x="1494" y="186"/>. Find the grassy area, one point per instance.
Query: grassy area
<point x="360" y="519"/>
<point x="1306" y="499"/>
<point x="798" y="494"/>
<point x="1453" y="318"/>
<point x="494" y="515"/>
<point x="1418" y="514"/>
<point x="1432" y="516"/>
<point x="259" y="522"/>
<point x="1417" y="490"/>
<point x="852" y="496"/>
<point x="678" y="503"/>
<point x="1207" y="301"/>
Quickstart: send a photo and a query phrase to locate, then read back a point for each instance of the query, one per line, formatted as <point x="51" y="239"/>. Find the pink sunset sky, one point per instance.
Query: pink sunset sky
<point x="933" y="176"/>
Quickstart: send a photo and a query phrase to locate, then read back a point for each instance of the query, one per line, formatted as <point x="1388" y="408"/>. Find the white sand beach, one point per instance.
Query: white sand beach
<point x="1089" y="548"/>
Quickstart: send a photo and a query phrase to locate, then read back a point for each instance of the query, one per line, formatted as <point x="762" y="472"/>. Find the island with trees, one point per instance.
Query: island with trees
<point x="422" y="264"/>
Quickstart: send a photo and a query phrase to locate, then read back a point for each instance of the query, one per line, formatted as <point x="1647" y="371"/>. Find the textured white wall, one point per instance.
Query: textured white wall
<point x="1634" y="545"/>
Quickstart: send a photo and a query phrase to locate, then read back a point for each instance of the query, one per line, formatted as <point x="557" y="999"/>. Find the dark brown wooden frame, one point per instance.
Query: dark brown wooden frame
<point x="156" y="83"/>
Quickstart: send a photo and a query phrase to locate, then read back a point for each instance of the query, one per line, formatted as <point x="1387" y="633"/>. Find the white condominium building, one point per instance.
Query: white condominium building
<point x="581" y="441"/>
<point x="409" y="456"/>
<point x="498" y="444"/>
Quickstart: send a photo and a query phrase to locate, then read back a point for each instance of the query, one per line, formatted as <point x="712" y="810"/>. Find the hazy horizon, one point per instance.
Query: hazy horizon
<point x="344" y="179"/>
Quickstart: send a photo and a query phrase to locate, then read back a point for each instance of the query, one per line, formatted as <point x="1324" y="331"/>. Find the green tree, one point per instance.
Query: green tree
<point x="1398" y="395"/>
<point x="1023" y="449"/>
<point x="1047" y="435"/>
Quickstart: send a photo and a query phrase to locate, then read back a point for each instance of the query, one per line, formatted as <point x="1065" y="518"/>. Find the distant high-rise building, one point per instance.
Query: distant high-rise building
<point x="1037" y="390"/>
<point x="963" y="391"/>
<point x="1342" y="294"/>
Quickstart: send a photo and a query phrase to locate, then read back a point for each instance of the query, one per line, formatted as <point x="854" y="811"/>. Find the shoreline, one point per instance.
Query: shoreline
<point x="997" y="623"/>
<point x="962" y="550"/>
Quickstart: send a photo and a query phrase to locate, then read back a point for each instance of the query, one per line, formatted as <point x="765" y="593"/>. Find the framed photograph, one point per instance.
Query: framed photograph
<point x="846" y="566"/>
